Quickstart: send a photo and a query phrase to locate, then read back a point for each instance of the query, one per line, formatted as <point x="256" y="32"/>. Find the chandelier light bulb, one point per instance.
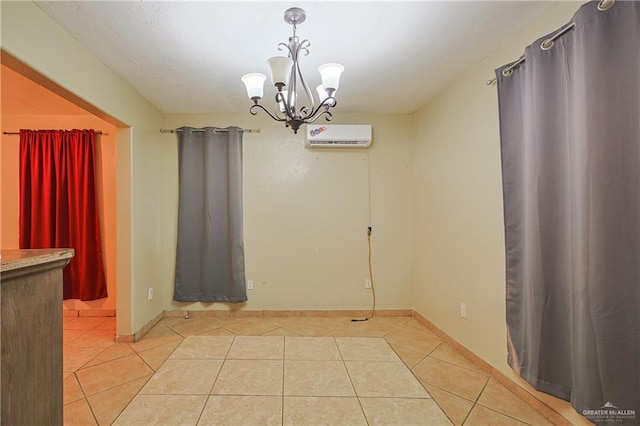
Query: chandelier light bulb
<point x="254" y="83"/>
<point x="330" y="74"/>
<point x="280" y="70"/>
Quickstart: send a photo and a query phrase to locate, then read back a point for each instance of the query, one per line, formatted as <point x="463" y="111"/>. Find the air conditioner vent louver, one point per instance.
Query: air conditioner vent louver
<point x="338" y="136"/>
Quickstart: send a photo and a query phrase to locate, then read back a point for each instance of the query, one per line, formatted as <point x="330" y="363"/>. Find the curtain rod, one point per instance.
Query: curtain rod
<point x="545" y="45"/>
<point x="548" y="43"/>
<point x="97" y="132"/>
<point x="215" y="131"/>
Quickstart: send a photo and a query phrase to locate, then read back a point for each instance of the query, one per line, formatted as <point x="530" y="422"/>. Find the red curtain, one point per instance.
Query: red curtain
<point x="58" y="206"/>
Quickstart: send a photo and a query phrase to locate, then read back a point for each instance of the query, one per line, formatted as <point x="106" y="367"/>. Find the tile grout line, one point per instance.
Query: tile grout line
<point x="475" y="403"/>
<point x="344" y="364"/>
<point x="214" y="380"/>
<point x="284" y="357"/>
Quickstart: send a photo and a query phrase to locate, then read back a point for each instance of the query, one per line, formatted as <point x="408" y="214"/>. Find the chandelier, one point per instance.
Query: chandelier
<point x="286" y="76"/>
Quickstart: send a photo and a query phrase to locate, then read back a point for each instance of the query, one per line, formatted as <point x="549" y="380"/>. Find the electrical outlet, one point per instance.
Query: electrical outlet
<point x="367" y="283"/>
<point x="463" y="310"/>
<point x="150" y="294"/>
<point x="249" y="284"/>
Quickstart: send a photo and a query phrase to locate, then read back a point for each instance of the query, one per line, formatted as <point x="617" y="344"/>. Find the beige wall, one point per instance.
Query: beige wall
<point x="29" y="35"/>
<point x="105" y="184"/>
<point x="306" y="214"/>
<point x="459" y="239"/>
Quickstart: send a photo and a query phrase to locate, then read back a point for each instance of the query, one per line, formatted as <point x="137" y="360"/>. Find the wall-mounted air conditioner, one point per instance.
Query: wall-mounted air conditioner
<point x="338" y="136"/>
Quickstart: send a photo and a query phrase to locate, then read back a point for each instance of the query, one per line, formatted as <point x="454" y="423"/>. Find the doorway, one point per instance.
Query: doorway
<point x="29" y="105"/>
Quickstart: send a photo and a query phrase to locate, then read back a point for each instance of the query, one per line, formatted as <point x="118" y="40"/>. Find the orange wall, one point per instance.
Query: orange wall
<point x="105" y="182"/>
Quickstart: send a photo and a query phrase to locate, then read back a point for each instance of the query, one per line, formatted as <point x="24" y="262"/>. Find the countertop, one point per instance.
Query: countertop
<point x="17" y="259"/>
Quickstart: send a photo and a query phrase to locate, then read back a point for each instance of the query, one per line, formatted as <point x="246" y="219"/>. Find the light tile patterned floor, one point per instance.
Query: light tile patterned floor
<point x="278" y="371"/>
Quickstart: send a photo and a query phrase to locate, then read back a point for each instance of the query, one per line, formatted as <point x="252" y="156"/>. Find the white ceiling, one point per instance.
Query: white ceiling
<point x="188" y="56"/>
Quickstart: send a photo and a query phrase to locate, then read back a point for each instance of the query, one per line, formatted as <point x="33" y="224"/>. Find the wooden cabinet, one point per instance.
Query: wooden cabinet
<point x="31" y="345"/>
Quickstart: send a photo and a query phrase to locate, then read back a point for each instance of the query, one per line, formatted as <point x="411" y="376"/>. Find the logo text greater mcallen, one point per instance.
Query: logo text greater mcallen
<point x="609" y="412"/>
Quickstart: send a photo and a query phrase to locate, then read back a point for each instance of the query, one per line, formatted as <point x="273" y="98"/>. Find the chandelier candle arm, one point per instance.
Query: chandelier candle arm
<point x="257" y="105"/>
<point x="285" y="76"/>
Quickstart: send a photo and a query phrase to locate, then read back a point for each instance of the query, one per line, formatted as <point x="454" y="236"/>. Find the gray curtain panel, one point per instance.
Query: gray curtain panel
<point x="570" y="141"/>
<point x="210" y="253"/>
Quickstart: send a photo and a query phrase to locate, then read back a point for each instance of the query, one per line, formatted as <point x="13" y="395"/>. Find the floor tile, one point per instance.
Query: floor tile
<point x="203" y="347"/>
<point x="481" y="416"/>
<point x="403" y="411"/>
<point x="392" y="321"/>
<point x="67" y="320"/>
<point x="242" y="410"/>
<point x="113" y="351"/>
<point x="378" y="326"/>
<point x="157" y="356"/>
<point x="409" y="357"/>
<point x="74" y="358"/>
<point x="255" y="326"/>
<point x="157" y="336"/>
<point x="311" y="348"/>
<point x="316" y="378"/>
<point x="280" y="332"/>
<point x="384" y="379"/>
<point x="499" y="398"/>
<point x="155" y="410"/>
<point x="312" y="326"/>
<point x="455" y="407"/>
<point x="95" y="339"/>
<point x="195" y="325"/>
<point x="445" y="352"/>
<point x="415" y="326"/>
<point x="420" y="343"/>
<point x="83" y="323"/>
<point x="108" y="323"/>
<point x="250" y="377"/>
<point x="317" y="411"/>
<point x="218" y="332"/>
<point x="78" y="413"/>
<point x="365" y="349"/>
<point x="71" y="390"/>
<point x="108" y="405"/>
<point x="109" y="374"/>
<point x="457" y="380"/>
<point x="69" y="336"/>
<point x="370" y="328"/>
<point x="257" y="347"/>
<point x="184" y="376"/>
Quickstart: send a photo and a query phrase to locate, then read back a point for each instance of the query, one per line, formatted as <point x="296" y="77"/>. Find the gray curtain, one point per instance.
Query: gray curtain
<point x="570" y="141"/>
<point x="210" y="253"/>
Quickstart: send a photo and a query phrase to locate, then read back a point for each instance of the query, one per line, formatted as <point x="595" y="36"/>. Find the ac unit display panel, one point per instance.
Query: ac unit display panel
<point x="338" y="136"/>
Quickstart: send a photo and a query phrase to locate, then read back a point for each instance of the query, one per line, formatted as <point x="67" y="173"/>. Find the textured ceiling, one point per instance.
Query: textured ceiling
<point x="188" y="57"/>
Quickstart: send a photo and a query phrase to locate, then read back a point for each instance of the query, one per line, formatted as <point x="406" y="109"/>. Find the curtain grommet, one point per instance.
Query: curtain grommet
<point x="605" y="5"/>
<point x="547" y="44"/>
<point x="507" y="72"/>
